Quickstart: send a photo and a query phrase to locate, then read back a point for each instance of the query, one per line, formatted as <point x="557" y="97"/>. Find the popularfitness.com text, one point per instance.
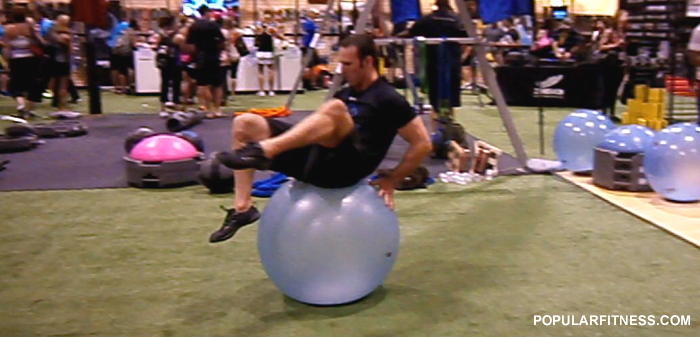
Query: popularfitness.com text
<point x="640" y="320"/>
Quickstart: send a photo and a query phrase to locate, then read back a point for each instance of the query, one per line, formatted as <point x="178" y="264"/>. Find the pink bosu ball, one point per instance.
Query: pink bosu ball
<point x="163" y="148"/>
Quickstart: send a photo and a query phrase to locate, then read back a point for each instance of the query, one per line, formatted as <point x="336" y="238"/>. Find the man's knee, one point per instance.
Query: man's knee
<point x="250" y="126"/>
<point x="338" y="111"/>
<point x="342" y="121"/>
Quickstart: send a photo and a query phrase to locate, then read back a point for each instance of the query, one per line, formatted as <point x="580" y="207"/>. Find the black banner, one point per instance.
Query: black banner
<point x="576" y="86"/>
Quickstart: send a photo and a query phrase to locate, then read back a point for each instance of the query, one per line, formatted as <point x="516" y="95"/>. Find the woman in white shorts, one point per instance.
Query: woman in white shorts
<point x="266" y="58"/>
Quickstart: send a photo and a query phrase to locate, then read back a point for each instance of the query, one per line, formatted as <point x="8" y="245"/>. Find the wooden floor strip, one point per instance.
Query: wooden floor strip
<point x="680" y="219"/>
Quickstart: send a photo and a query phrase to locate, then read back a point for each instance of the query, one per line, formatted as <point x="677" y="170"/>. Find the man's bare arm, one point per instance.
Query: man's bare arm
<point x="419" y="147"/>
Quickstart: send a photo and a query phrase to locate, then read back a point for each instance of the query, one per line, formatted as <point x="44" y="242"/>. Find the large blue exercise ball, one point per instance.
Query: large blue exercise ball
<point x="595" y="114"/>
<point x="327" y="246"/>
<point x="576" y="137"/>
<point x="628" y="139"/>
<point x="672" y="163"/>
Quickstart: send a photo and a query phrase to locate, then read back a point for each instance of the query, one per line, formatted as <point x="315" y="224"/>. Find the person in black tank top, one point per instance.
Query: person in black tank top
<point x="337" y="146"/>
<point x="264" y="40"/>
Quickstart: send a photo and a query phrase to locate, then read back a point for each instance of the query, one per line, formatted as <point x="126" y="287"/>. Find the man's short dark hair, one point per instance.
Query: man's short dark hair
<point x="18" y="14"/>
<point x="364" y="44"/>
<point x="443" y="4"/>
<point x="203" y="10"/>
<point x="44" y="11"/>
<point x="166" y="21"/>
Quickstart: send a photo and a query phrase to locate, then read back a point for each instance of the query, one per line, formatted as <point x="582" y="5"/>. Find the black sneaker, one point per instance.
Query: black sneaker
<point x="233" y="222"/>
<point x="251" y="156"/>
<point x="26" y="114"/>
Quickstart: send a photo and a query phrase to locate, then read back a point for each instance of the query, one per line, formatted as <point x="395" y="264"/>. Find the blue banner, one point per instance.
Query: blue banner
<point x="497" y="10"/>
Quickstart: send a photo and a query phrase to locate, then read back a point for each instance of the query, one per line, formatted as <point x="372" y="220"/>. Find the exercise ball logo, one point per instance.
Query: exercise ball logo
<point x="576" y="137"/>
<point x="352" y="108"/>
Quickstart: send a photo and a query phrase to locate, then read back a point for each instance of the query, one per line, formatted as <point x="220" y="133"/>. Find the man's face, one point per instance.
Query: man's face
<point x="63" y="20"/>
<point x="353" y="70"/>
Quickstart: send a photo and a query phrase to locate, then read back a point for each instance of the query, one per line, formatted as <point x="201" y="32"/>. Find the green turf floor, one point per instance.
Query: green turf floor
<point x="479" y="260"/>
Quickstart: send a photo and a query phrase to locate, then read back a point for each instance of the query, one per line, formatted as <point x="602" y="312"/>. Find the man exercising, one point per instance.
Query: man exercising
<point x="338" y="145"/>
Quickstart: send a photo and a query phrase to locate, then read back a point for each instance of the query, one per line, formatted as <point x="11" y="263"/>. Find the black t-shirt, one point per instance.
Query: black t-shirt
<point x="513" y="34"/>
<point x="441" y="23"/>
<point x="167" y="48"/>
<point x="378" y="113"/>
<point x="206" y="37"/>
<point x="567" y="39"/>
<point x="264" y="42"/>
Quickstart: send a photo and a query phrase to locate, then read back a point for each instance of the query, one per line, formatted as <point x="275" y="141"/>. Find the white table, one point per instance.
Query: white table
<point x="147" y="75"/>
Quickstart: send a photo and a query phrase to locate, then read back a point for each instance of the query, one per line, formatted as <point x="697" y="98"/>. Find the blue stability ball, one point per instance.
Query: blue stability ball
<point x="672" y="163"/>
<point x="597" y="115"/>
<point x="576" y="137"/>
<point x="628" y="139"/>
<point x="327" y="246"/>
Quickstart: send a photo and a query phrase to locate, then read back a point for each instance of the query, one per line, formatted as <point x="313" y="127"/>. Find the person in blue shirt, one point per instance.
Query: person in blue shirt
<point x="120" y="43"/>
<point x="118" y="29"/>
<point x="522" y="25"/>
<point x="309" y="27"/>
<point x="45" y="26"/>
<point x="404" y="12"/>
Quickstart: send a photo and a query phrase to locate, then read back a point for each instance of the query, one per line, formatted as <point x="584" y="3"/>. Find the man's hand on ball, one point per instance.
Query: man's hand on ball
<point x="386" y="185"/>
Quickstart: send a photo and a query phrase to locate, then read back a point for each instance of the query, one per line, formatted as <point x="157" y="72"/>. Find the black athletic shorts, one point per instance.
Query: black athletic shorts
<point x="213" y="75"/>
<point x="121" y="63"/>
<point x="190" y="71"/>
<point x="61" y="69"/>
<point x="24" y="78"/>
<point x="399" y="28"/>
<point x="234" y="69"/>
<point x="320" y="166"/>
